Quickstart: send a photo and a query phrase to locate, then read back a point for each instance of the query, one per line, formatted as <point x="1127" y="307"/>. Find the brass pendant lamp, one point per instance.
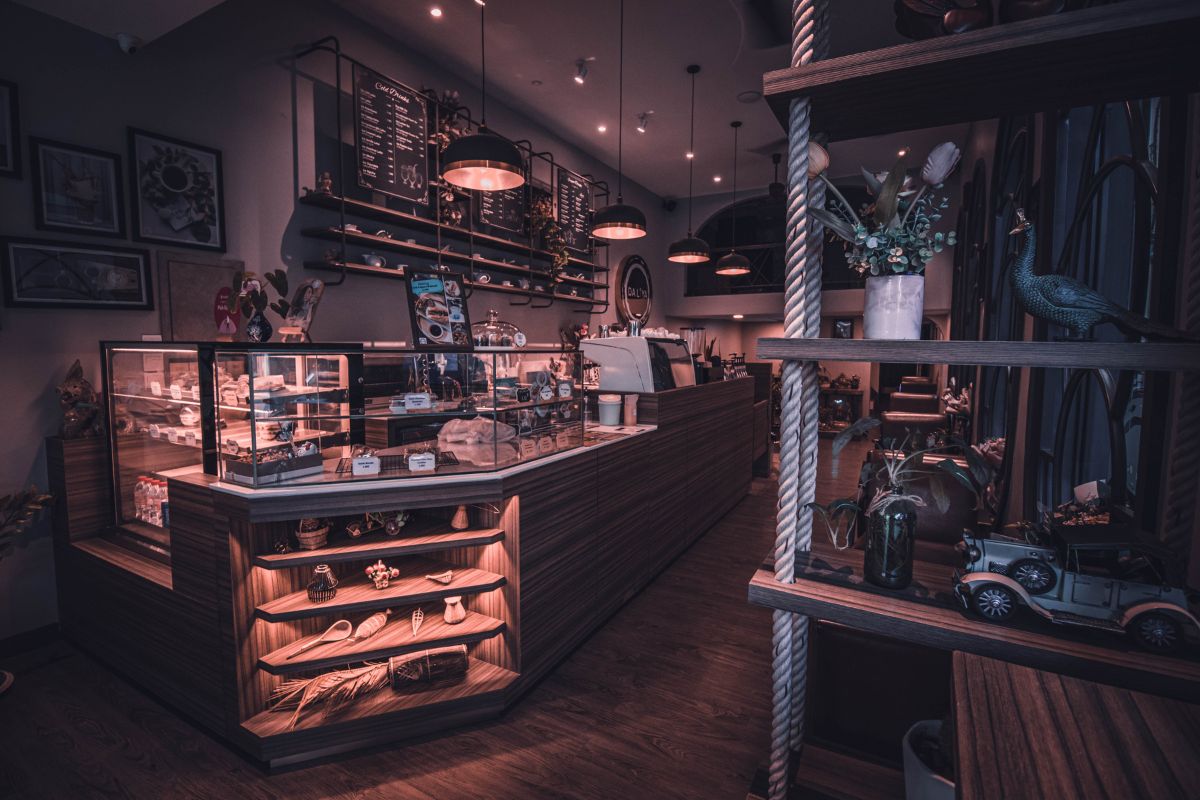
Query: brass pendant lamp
<point x="734" y="263"/>
<point x="690" y="249"/>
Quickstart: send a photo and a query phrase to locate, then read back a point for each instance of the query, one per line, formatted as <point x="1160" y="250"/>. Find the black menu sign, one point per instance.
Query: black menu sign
<point x="505" y="210"/>
<point x="390" y="124"/>
<point x="573" y="202"/>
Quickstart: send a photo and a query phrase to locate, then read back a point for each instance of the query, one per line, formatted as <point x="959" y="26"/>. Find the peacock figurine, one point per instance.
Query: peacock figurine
<point x="1071" y="303"/>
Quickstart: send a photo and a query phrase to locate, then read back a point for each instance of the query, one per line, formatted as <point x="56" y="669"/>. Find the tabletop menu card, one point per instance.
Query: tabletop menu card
<point x="504" y="210"/>
<point x="390" y="125"/>
<point x="574" y="210"/>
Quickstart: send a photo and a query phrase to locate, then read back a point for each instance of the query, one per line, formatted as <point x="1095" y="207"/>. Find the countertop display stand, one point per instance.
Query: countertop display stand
<point x="1098" y="55"/>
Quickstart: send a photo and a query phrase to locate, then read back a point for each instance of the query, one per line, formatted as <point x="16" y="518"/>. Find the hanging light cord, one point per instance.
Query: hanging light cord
<point x="621" y="106"/>
<point x="482" y="71"/>
<point x="692" y="153"/>
<point x="733" y="205"/>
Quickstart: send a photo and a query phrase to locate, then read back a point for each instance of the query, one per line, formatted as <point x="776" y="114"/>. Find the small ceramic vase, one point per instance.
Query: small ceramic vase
<point x="258" y="329"/>
<point x="323" y="586"/>
<point x="455" y="613"/>
<point x="460" y="522"/>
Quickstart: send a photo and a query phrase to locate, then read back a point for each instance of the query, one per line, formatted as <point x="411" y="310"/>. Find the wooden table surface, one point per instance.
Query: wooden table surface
<point x="1023" y="733"/>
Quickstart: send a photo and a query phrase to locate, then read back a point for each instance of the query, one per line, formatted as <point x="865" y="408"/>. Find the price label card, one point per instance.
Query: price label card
<point x="189" y="438"/>
<point x="528" y="448"/>
<point x="365" y="465"/>
<point x="156" y="388"/>
<point x="173" y="435"/>
<point x="422" y="462"/>
<point x="546" y="393"/>
<point x="565" y="389"/>
<point x="196" y="393"/>
<point x="176" y="392"/>
<point x="155" y="432"/>
<point x="418" y="401"/>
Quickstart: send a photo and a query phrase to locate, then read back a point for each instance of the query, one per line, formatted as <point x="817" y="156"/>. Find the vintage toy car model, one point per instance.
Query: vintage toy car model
<point x="1098" y="577"/>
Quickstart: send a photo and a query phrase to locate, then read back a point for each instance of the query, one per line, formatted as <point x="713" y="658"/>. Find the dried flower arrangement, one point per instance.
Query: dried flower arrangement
<point x="542" y="223"/>
<point x="894" y="235"/>
<point x="17" y="512"/>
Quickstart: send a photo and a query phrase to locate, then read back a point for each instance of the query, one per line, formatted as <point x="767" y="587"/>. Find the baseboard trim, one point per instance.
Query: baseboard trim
<point x="30" y="640"/>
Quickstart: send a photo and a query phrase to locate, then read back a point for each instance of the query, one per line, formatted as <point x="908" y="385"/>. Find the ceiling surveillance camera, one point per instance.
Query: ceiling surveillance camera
<point x="128" y="43"/>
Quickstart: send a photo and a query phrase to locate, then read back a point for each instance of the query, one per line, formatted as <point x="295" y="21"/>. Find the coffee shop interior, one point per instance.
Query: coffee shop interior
<point x="525" y="399"/>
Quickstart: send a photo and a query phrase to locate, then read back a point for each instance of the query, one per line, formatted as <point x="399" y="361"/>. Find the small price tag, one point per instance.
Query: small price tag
<point x="418" y="401"/>
<point x="196" y="393"/>
<point x="546" y="393"/>
<point x="528" y="448"/>
<point x="422" y="462"/>
<point x="176" y="392"/>
<point x="365" y="465"/>
<point x="189" y="438"/>
<point x="173" y="435"/>
<point x="155" y="432"/>
<point x="156" y="388"/>
<point x="519" y="339"/>
<point x="565" y="389"/>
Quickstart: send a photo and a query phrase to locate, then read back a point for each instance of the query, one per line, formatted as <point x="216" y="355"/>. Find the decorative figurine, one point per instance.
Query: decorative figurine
<point x="325" y="183"/>
<point x="455" y="613"/>
<point x="337" y="632"/>
<point x="371" y="625"/>
<point x="442" y="577"/>
<point x="1071" y="303"/>
<point x="380" y="574"/>
<point x="395" y="522"/>
<point x="323" y="586"/>
<point x="80" y="406"/>
<point x="957" y="401"/>
<point x="461" y="521"/>
<point x="418" y="616"/>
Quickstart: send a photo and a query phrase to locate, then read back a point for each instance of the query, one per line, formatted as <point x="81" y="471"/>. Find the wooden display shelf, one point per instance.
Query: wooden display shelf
<point x="581" y="281"/>
<point x="922" y="616"/>
<point x="395" y="638"/>
<point x="362" y="269"/>
<point x="361" y="208"/>
<point x="386" y="708"/>
<point x="495" y="287"/>
<point x="1142" y="48"/>
<point x="1167" y="356"/>
<point x="382" y="546"/>
<point x="359" y="594"/>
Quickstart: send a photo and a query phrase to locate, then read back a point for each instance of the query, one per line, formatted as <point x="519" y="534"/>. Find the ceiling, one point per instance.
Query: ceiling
<point x="145" y="19"/>
<point x="532" y="47"/>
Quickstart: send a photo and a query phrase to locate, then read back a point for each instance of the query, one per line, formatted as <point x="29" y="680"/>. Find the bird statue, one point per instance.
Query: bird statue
<point x="1071" y="303"/>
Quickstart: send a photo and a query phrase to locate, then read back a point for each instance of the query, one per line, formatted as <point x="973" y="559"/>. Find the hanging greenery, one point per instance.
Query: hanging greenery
<point x="542" y="224"/>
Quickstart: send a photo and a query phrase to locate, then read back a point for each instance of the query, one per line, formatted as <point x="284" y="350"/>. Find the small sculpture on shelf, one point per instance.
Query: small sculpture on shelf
<point x="442" y="577"/>
<point x="1071" y="303"/>
<point x="381" y="574"/>
<point x="322" y="587"/>
<point x="80" y="406"/>
<point x="460" y="521"/>
<point x="395" y="521"/>
<point x="957" y="401"/>
<point x="454" y="613"/>
<point x="325" y="183"/>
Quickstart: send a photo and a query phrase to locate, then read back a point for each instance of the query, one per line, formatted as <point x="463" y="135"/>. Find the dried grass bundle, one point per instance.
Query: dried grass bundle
<point x="335" y="690"/>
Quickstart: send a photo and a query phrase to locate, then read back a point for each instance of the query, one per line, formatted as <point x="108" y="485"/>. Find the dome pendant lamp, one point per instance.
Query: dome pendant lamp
<point x="733" y="262"/>
<point x="690" y="249"/>
<point x="619" y="221"/>
<point x="483" y="160"/>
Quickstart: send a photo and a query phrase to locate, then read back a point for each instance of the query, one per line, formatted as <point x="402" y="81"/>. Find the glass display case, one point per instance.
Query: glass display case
<point x="285" y="414"/>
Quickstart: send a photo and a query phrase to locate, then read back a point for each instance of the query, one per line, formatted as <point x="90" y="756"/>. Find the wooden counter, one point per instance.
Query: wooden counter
<point x="553" y="549"/>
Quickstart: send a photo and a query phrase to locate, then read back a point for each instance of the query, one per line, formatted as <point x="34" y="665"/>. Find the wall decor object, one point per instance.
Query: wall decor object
<point x="390" y="123"/>
<point x="46" y="274"/>
<point x="80" y="405"/>
<point x="76" y="189"/>
<point x="176" y="192"/>
<point x="635" y="290"/>
<point x="299" y="314"/>
<point x="892" y="245"/>
<point x="193" y="297"/>
<point x="843" y="328"/>
<point x="10" y="131"/>
<point x="573" y="209"/>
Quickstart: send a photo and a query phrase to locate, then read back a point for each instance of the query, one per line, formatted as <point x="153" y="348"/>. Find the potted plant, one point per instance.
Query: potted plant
<point x="891" y="240"/>
<point x="17" y="511"/>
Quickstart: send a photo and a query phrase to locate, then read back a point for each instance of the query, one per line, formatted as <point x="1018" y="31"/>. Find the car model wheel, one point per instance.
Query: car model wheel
<point x="1156" y="631"/>
<point x="1035" y="576"/>
<point x="994" y="602"/>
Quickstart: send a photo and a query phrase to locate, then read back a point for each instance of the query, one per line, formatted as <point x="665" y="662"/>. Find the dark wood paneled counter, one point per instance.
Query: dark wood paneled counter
<point x="553" y="549"/>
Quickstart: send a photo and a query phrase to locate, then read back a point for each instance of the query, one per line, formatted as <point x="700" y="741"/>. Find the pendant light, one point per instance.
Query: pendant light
<point x="483" y="160"/>
<point x="619" y="221"/>
<point x="690" y="249"/>
<point x="733" y="262"/>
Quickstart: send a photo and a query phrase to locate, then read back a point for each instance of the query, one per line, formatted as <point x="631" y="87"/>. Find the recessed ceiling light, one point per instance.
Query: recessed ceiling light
<point x="535" y="82"/>
<point x="716" y="178"/>
<point x="749" y="96"/>
<point x="435" y="12"/>
<point x="581" y="71"/>
<point x="602" y="128"/>
<point x="689" y="154"/>
<point x="739" y="316"/>
<point x="902" y="152"/>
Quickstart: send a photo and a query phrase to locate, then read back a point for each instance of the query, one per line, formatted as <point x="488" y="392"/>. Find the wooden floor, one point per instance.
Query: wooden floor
<point x="670" y="699"/>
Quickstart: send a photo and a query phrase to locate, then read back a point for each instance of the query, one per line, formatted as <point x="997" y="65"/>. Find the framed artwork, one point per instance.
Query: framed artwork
<point x="176" y="192"/>
<point x="843" y="328"/>
<point x="76" y="189"/>
<point x="10" y="131"/>
<point x="44" y="274"/>
<point x="437" y="308"/>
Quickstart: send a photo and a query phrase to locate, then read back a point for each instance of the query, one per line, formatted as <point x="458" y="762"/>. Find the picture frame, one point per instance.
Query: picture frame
<point x="39" y="273"/>
<point x="842" y="328"/>
<point x="176" y="192"/>
<point x="10" y="131"/>
<point x="76" y="189"/>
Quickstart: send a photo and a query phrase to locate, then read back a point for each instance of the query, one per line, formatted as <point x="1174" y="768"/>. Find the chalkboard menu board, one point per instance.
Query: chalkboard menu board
<point x="573" y="204"/>
<point x="505" y="210"/>
<point x="390" y="126"/>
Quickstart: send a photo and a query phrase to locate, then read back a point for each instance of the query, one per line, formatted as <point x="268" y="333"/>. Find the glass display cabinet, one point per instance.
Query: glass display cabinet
<point x="264" y="415"/>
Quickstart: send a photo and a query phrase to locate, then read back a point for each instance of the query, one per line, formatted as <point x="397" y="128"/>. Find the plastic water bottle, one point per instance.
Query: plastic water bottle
<point x="164" y="506"/>
<point x="155" y="498"/>
<point x="139" y="499"/>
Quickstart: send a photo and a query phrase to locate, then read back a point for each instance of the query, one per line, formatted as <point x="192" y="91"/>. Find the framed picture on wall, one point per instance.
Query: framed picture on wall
<point x="44" y="274"/>
<point x="10" y="131"/>
<point x="176" y="192"/>
<point x="76" y="189"/>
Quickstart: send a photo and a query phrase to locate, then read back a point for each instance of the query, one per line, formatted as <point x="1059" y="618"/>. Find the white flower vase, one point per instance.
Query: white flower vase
<point x="894" y="307"/>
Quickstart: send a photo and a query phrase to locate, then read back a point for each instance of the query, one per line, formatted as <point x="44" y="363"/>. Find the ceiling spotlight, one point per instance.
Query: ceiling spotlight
<point x="749" y="96"/>
<point x="581" y="71"/>
<point x="480" y="3"/>
<point x="716" y="178"/>
<point x="602" y="128"/>
<point x="643" y="121"/>
<point x="689" y="154"/>
<point x="902" y="152"/>
<point x="435" y="12"/>
<point x="739" y="316"/>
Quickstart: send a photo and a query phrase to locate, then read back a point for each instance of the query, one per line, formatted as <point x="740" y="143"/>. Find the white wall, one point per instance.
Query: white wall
<point x="222" y="81"/>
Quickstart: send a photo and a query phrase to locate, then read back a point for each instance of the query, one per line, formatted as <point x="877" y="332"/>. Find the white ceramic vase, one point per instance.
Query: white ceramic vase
<point x="920" y="782"/>
<point x="894" y="307"/>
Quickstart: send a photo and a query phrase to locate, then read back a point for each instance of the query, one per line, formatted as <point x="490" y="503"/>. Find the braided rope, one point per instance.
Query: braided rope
<point x="798" y="434"/>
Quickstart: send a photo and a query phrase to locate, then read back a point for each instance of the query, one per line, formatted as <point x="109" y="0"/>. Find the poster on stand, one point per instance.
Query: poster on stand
<point x="437" y="306"/>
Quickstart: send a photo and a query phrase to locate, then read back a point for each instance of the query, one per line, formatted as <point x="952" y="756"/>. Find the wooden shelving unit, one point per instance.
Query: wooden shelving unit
<point x="1113" y="52"/>
<point x="1064" y="355"/>
<point x="395" y="638"/>
<point x="380" y="546"/>
<point x="361" y="269"/>
<point x="411" y="588"/>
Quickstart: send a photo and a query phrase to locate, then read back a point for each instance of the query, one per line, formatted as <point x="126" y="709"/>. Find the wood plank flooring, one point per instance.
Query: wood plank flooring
<point x="671" y="698"/>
